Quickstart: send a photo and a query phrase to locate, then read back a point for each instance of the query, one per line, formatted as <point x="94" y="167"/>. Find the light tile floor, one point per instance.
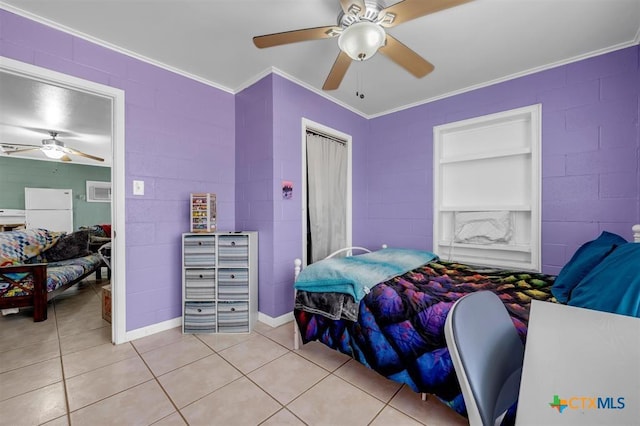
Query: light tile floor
<point x="65" y="371"/>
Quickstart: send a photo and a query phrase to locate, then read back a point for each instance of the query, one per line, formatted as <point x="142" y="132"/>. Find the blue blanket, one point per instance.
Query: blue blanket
<point x="613" y="285"/>
<point x="356" y="275"/>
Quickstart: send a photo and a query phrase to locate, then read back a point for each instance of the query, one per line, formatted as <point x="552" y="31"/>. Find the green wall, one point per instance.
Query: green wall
<point x="17" y="173"/>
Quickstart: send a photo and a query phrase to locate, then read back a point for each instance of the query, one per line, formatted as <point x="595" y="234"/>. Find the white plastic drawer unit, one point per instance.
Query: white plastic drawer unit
<point x="233" y="317"/>
<point x="219" y="282"/>
<point x="199" y="250"/>
<point x="199" y="317"/>
<point x="200" y="283"/>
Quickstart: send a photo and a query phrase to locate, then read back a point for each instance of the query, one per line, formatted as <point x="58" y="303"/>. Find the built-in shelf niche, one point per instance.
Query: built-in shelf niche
<point x="489" y="164"/>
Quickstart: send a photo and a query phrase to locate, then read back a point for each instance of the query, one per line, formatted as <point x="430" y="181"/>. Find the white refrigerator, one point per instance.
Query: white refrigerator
<point x="51" y="209"/>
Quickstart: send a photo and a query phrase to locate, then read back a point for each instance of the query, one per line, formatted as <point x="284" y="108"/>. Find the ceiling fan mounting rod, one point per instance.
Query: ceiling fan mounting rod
<point x="362" y="32"/>
<point x="371" y="13"/>
<point x="53" y="143"/>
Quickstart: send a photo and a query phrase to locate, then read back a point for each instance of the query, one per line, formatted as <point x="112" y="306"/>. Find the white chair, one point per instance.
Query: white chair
<point x="487" y="354"/>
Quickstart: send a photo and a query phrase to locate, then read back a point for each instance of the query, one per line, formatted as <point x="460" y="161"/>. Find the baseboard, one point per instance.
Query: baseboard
<point x="275" y="322"/>
<point x="177" y="322"/>
<point x="153" y="329"/>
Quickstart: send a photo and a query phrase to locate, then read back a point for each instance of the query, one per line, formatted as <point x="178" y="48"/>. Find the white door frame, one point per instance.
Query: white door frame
<point x="118" y="275"/>
<point x="312" y="125"/>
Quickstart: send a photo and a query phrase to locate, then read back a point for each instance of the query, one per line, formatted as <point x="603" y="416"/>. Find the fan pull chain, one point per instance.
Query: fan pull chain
<point x="359" y="93"/>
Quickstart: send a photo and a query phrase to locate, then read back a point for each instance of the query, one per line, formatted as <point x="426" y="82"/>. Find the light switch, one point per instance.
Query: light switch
<point x="138" y="187"/>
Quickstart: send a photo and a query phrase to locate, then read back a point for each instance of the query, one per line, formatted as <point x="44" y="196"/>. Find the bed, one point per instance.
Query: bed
<point x="36" y="265"/>
<point x="396" y="327"/>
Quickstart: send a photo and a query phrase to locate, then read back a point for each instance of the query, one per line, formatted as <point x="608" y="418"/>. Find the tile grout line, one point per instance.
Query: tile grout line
<point x="268" y="334"/>
<point x="282" y="406"/>
<point x="160" y="384"/>
<point x="242" y="374"/>
<point x="64" y="379"/>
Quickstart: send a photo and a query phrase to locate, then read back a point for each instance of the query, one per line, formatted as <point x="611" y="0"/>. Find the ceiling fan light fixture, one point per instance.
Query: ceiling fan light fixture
<point x="52" y="152"/>
<point x="362" y="40"/>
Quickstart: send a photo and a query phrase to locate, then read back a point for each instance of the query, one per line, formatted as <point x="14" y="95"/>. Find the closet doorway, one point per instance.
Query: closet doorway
<point x="326" y="191"/>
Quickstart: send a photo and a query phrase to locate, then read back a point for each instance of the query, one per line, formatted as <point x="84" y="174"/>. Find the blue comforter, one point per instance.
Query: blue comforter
<point x="356" y="275"/>
<point x="613" y="285"/>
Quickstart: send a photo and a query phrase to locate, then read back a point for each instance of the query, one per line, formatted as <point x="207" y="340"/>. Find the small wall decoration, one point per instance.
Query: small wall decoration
<point x="287" y="190"/>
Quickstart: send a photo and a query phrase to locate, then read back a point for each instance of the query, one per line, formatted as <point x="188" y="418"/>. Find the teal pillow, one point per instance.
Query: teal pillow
<point x="613" y="285"/>
<point x="582" y="262"/>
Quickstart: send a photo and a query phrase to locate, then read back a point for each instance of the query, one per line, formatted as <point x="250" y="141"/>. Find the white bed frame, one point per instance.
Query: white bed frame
<point x="349" y="250"/>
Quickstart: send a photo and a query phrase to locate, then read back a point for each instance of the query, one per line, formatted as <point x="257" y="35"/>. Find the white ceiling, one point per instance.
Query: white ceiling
<point x="30" y="109"/>
<point x="471" y="45"/>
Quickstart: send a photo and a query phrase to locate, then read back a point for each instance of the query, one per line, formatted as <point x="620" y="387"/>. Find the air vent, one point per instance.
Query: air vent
<point x="98" y="192"/>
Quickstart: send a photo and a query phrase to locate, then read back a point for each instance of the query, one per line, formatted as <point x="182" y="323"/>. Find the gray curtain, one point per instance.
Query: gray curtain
<point x="326" y="195"/>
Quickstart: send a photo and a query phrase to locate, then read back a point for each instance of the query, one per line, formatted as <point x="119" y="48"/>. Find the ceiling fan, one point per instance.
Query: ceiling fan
<point x="52" y="148"/>
<point x="361" y="31"/>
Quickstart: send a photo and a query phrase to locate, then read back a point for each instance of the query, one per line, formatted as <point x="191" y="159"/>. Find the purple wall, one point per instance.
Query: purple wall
<point x="291" y="103"/>
<point x="183" y="136"/>
<point x="254" y="176"/>
<point x="270" y="113"/>
<point x="180" y="138"/>
<point x="590" y="155"/>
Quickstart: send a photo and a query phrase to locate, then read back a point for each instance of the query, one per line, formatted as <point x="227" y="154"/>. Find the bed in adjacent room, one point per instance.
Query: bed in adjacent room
<point x="395" y="325"/>
<point x="36" y="265"/>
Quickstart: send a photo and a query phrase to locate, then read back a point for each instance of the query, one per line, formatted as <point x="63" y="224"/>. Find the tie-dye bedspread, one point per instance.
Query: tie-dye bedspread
<point x="400" y="327"/>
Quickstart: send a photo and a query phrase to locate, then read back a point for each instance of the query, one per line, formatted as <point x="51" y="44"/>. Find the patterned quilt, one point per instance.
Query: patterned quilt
<point x="58" y="274"/>
<point x="400" y="327"/>
<point x="29" y="246"/>
<point x="19" y="246"/>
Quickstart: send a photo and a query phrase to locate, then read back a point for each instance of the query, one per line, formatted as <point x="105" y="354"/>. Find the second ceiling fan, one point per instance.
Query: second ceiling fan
<point x="52" y="148"/>
<point x="361" y="31"/>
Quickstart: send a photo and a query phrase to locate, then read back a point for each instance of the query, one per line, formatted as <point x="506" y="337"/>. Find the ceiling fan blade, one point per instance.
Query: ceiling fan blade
<point x="411" y="9"/>
<point x="17" y="151"/>
<point x="82" y="154"/>
<point x="295" y="36"/>
<point x="346" y="5"/>
<point x="18" y="144"/>
<point x="406" y="58"/>
<point x="338" y="70"/>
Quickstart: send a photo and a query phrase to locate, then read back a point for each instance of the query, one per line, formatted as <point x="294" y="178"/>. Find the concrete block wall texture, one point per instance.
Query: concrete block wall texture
<point x="180" y="138"/>
<point x="184" y="136"/>
<point x="590" y="155"/>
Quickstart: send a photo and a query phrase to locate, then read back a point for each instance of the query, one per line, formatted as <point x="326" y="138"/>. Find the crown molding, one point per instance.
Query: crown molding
<point x="307" y="86"/>
<point x="510" y="77"/>
<point x="100" y="42"/>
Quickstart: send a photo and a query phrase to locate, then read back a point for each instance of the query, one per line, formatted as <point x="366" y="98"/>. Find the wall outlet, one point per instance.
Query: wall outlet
<point x="138" y="187"/>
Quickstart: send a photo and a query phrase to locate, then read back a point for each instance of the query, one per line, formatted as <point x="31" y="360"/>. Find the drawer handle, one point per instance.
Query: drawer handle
<point x="200" y="275"/>
<point x="233" y="309"/>
<point x="233" y="243"/>
<point x="233" y="276"/>
<point x="199" y="243"/>
<point x="199" y="309"/>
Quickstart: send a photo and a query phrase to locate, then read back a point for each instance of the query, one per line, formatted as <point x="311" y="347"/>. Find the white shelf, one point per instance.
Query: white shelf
<point x="486" y="155"/>
<point x="486" y="208"/>
<point x="489" y="164"/>
<point x="510" y="247"/>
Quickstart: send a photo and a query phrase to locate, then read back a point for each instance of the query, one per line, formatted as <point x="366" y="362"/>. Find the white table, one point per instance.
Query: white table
<point x="587" y="359"/>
